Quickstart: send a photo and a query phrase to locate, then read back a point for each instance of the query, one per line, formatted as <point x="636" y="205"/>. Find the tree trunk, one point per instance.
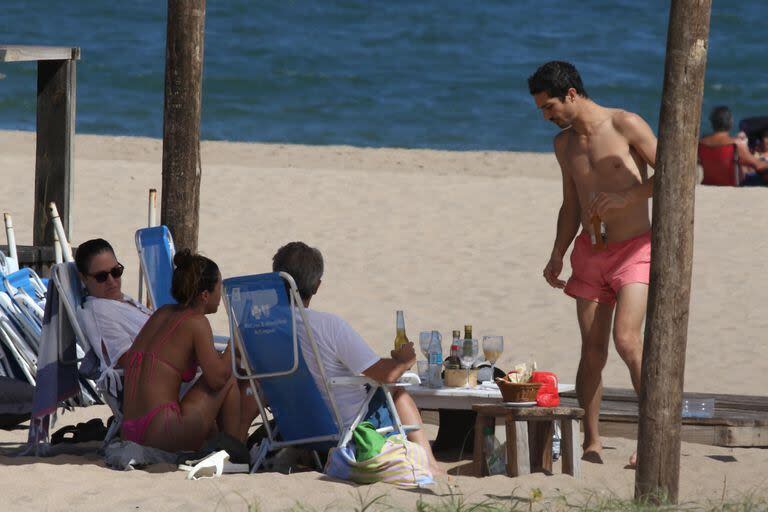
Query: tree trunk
<point x="666" y="326"/>
<point x="180" y="206"/>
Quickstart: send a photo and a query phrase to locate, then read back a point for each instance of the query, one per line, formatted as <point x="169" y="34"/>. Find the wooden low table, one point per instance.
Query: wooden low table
<point x="529" y="437"/>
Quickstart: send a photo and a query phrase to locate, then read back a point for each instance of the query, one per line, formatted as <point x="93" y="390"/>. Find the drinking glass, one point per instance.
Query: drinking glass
<point x="493" y="346"/>
<point x="425" y="338"/>
<point x="468" y="355"/>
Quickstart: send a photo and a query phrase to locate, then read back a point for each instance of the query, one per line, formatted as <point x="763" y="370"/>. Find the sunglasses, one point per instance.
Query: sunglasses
<point x="115" y="272"/>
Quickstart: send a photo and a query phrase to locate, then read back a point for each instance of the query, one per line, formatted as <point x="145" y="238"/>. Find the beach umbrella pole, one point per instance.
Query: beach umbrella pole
<point x="666" y="326"/>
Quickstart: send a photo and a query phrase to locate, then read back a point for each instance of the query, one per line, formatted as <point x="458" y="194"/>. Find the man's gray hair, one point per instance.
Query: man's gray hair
<point x="303" y="263"/>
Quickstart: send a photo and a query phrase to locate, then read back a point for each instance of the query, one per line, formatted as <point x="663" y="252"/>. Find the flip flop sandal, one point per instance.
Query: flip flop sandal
<point x="212" y="466"/>
<point x="60" y="436"/>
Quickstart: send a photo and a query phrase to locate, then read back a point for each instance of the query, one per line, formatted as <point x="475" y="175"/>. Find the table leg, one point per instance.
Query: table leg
<point x="518" y="458"/>
<point x="540" y="442"/>
<point x="478" y="455"/>
<point x="571" y="447"/>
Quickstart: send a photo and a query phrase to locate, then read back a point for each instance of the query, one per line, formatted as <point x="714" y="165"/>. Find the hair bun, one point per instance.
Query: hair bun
<point x="183" y="259"/>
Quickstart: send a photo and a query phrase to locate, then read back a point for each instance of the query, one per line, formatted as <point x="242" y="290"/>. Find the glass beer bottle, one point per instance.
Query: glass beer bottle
<point x="598" y="235"/>
<point x="400" y="337"/>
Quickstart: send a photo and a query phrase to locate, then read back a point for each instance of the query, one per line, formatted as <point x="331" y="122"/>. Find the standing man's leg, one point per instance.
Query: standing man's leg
<point x="631" y="304"/>
<point x="595" y="324"/>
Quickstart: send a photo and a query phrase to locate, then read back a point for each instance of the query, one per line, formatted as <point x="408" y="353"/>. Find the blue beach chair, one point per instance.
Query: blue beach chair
<point x="156" y="251"/>
<point x="262" y="312"/>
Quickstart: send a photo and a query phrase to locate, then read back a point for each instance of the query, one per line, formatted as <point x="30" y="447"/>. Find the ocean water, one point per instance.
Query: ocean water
<point x="444" y="74"/>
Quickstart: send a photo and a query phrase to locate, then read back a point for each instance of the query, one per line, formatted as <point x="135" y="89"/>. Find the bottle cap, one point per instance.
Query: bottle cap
<point x="487" y="431"/>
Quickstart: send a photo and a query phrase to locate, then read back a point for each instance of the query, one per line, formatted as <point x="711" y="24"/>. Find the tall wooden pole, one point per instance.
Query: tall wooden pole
<point x="666" y="328"/>
<point x="56" y="85"/>
<point x="180" y="206"/>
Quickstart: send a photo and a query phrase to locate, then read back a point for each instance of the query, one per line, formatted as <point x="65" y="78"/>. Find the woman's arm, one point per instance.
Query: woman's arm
<point x="217" y="367"/>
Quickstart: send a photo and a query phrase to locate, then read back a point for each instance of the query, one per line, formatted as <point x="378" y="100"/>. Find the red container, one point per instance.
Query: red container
<point x="547" y="395"/>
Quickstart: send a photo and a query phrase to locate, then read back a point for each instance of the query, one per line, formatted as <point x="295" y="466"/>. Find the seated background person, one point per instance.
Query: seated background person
<point x="722" y="122"/>
<point x="345" y="353"/>
<point x="176" y="339"/>
<point x="114" y="318"/>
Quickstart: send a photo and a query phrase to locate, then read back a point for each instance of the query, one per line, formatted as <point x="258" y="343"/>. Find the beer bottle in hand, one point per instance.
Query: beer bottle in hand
<point x="400" y="337"/>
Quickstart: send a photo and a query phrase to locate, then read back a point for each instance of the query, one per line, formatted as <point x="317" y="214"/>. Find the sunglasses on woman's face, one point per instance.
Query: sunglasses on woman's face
<point x="115" y="272"/>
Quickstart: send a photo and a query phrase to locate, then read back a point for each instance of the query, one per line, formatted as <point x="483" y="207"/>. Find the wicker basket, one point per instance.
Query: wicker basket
<point x="518" y="391"/>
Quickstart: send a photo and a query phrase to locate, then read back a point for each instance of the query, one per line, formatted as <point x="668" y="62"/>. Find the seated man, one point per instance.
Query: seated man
<point x="722" y="122"/>
<point x="345" y="353"/>
<point x="114" y="318"/>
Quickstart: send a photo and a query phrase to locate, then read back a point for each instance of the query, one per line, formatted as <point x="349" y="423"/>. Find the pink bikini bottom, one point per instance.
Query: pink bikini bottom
<point x="135" y="429"/>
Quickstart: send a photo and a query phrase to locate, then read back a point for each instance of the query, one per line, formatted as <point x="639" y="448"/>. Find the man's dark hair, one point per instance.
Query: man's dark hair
<point x="303" y="263"/>
<point x="87" y="250"/>
<point x="555" y="78"/>
<point x="721" y="119"/>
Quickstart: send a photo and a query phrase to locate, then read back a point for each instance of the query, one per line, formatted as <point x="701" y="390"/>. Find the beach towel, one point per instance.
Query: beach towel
<point x="127" y="455"/>
<point x="400" y="462"/>
<point x="56" y="382"/>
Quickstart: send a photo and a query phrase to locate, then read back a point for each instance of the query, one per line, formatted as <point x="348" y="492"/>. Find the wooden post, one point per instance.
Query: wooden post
<point x="55" y="142"/>
<point x="180" y="204"/>
<point x="666" y="327"/>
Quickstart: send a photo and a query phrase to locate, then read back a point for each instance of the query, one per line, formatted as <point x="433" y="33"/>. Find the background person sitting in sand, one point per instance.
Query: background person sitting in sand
<point x="176" y="339"/>
<point x="722" y="123"/>
<point x="112" y="317"/>
<point x="345" y="353"/>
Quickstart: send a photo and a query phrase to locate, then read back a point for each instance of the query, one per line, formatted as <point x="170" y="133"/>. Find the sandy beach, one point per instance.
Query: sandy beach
<point x="452" y="238"/>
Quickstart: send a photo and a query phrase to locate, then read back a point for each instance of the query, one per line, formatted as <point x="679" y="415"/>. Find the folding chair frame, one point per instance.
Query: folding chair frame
<point x="344" y="434"/>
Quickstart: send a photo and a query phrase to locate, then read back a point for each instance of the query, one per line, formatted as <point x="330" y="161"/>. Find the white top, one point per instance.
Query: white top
<point x="115" y="322"/>
<point x="343" y="352"/>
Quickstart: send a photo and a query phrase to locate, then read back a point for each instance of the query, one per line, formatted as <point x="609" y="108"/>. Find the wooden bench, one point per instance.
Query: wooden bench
<point x="739" y="420"/>
<point x="529" y="438"/>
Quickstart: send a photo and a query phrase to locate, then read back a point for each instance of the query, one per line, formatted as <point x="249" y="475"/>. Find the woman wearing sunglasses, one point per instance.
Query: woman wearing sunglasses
<point x="112" y="317"/>
<point x="168" y="350"/>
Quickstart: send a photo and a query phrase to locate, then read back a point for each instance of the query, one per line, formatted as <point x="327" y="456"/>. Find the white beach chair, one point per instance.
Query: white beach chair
<point x="108" y="379"/>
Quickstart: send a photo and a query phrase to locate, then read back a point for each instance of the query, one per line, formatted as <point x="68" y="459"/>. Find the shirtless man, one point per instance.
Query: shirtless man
<point x="604" y="155"/>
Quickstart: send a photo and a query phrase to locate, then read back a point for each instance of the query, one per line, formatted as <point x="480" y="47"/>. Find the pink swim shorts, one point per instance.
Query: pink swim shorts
<point x="599" y="275"/>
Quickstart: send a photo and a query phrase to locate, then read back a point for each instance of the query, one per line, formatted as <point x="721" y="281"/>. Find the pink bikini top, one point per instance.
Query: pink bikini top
<point x="137" y="356"/>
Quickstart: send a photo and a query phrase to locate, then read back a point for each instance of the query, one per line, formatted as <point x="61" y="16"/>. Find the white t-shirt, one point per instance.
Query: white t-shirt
<point x="344" y="354"/>
<point x="115" y="322"/>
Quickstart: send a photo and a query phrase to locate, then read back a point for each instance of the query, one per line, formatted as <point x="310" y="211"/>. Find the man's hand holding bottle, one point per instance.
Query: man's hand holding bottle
<point x="405" y="355"/>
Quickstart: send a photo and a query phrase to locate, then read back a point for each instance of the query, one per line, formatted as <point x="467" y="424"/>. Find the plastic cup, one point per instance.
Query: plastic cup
<point x="423" y="370"/>
<point x="698" y="407"/>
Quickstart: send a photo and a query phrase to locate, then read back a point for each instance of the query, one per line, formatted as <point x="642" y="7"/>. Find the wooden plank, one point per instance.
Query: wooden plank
<point x="22" y="53"/>
<point x="730" y="401"/>
<point x="478" y="454"/>
<point x="570" y="446"/>
<point x="56" y="83"/>
<point x="540" y="445"/>
<point x="529" y="413"/>
<point x="628" y="411"/>
<point x="741" y="436"/>
<point x="518" y="455"/>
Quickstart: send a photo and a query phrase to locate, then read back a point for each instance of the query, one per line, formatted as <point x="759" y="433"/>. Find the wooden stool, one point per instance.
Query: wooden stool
<point x="529" y="437"/>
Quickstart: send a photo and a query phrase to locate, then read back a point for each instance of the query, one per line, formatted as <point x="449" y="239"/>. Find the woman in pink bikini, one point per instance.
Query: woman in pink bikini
<point x="167" y="351"/>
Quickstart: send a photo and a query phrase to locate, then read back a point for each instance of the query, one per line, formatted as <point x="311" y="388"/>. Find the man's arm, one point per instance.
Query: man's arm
<point x="388" y="370"/>
<point x="568" y="219"/>
<point x="641" y="138"/>
<point x="746" y="158"/>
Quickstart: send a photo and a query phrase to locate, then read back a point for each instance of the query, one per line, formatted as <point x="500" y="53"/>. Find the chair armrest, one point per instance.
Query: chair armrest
<point x="351" y="381"/>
